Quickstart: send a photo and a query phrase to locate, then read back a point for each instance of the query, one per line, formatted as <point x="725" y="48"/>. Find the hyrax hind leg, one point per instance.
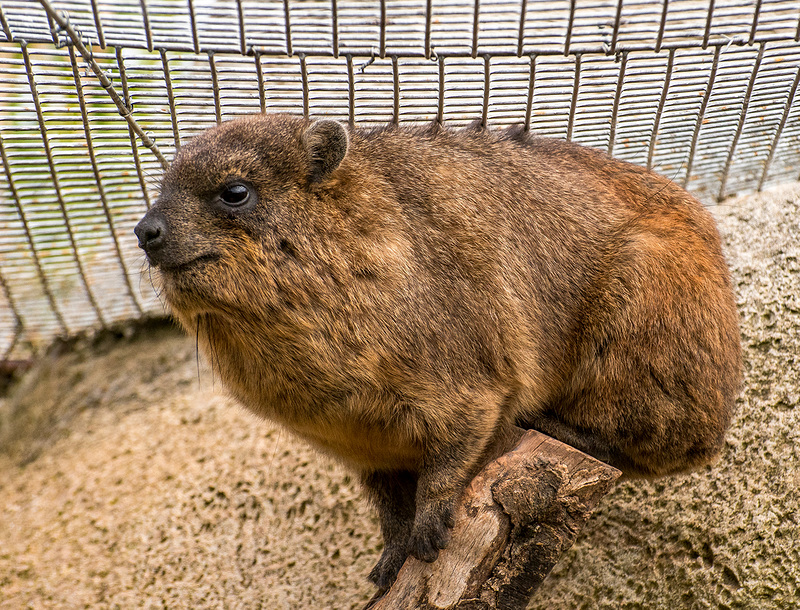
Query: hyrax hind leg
<point x="657" y="362"/>
<point x="646" y="421"/>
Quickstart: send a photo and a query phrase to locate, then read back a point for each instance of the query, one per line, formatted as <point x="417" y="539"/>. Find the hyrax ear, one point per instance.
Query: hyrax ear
<point x="326" y="143"/>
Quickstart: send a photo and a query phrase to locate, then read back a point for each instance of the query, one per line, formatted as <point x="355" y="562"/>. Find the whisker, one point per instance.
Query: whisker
<point x="669" y="181"/>
<point x="158" y="291"/>
<point x="197" y="350"/>
<point x="275" y="448"/>
<point x="214" y="354"/>
<point x="141" y="275"/>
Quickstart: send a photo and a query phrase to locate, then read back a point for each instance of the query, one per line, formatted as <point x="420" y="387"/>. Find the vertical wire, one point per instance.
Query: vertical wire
<point x="54" y="178"/>
<point x="531" y="87"/>
<point x="396" y="102"/>
<point x="242" y="30"/>
<point x="351" y="91"/>
<point x="6" y="29"/>
<point x="98" y="178"/>
<point x="335" y="28"/>
<point x="53" y="30"/>
<point x="475" y="28"/>
<point x="709" y="18"/>
<point x="304" y="76"/>
<point x="568" y="36"/>
<point x="288" y="28"/>
<point x="382" y="40"/>
<point x="660" y="111"/>
<point x="709" y="87"/>
<point x="617" y="22"/>
<point x="98" y="25"/>
<point x="574" y="103"/>
<point x="262" y="98"/>
<point x="146" y="22"/>
<point x="440" y="106"/>
<point x="29" y="237"/>
<point x="521" y="34"/>
<point x="615" y="110"/>
<point x="428" y="17"/>
<point x="193" y="22"/>
<point x="486" y="90"/>
<point x="126" y="96"/>
<point x="787" y="107"/>
<point x="753" y="28"/>
<point x="171" y="98"/>
<point x="19" y="326"/>
<point x="797" y="31"/>
<point x="662" y="25"/>
<point x="212" y="65"/>
<point x="740" y="125"/>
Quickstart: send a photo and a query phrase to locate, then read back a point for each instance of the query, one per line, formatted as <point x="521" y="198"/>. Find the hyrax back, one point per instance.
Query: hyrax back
<point x="400" y="297"/>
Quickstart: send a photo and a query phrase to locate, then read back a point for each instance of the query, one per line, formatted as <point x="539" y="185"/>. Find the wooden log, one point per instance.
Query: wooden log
<point x="517" y="517"/>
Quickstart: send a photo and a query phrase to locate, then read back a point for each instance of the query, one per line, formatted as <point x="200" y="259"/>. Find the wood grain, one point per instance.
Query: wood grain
<point x="517" y="517"/>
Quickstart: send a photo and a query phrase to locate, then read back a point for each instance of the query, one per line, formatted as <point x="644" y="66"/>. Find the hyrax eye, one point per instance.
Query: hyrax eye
<point x="235" y="195"/>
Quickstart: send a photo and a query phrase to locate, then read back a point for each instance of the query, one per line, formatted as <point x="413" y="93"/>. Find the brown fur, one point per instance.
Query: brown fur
<point x="399" y="297"/>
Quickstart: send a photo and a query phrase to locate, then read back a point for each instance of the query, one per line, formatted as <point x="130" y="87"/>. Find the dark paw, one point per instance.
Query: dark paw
<point x="431" y="533"/>
<point x="385" y="571"/>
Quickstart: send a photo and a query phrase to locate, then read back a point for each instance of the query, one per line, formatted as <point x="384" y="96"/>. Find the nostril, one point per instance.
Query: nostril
<point x="150" y="231"/>
<point x="151" y="234"/>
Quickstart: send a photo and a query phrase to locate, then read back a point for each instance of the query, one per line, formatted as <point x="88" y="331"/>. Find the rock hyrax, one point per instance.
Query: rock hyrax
<point x="399" y="297"/>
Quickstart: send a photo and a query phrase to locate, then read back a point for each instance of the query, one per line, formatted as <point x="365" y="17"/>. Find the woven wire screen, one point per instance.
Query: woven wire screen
<point x="96" y="95"/>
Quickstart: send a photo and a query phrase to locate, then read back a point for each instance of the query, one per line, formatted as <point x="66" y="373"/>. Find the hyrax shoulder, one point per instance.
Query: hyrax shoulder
<point x="399" y="297"/>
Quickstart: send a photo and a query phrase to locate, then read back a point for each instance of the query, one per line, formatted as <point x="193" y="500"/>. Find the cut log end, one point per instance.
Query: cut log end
<point x="517" y="517"/>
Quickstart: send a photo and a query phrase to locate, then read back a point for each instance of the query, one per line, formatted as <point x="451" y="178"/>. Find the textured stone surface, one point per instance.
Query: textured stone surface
<point x="149" y="488"/>
<point x="127" y="479"/>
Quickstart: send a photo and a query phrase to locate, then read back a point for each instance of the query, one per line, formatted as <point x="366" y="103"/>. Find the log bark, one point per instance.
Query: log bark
<point x="517" y="517"/>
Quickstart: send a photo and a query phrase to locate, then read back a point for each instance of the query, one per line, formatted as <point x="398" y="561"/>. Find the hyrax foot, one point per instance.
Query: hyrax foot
<point x="385" y="571"/>
<point x="431" y="532"/>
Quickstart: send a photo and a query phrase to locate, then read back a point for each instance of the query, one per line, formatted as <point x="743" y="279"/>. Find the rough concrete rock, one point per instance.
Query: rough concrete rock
<point x="127" y="479"/>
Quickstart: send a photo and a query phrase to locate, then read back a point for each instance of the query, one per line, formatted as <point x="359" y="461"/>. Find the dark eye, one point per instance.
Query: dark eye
<point x="235" y="195"/>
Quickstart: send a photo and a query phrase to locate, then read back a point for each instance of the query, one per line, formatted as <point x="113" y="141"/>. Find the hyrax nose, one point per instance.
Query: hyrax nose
<point x="151" y="231"/>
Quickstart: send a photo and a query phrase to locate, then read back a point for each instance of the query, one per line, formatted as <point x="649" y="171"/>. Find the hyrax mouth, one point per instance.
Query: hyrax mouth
<point x="191" y="264"/>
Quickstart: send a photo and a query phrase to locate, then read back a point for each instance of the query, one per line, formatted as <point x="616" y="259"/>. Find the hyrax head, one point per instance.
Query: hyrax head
<point x="232" y="209"/>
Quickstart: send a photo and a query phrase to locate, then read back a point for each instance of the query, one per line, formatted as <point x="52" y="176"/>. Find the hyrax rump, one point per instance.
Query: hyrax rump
<point x="400" y="297"/>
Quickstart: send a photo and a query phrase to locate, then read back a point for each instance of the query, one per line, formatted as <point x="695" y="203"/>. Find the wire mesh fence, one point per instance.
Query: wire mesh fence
<point x="96" y="96"/>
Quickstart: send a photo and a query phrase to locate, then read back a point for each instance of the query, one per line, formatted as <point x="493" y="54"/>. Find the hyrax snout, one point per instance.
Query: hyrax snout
<point x="400" y="297"/>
